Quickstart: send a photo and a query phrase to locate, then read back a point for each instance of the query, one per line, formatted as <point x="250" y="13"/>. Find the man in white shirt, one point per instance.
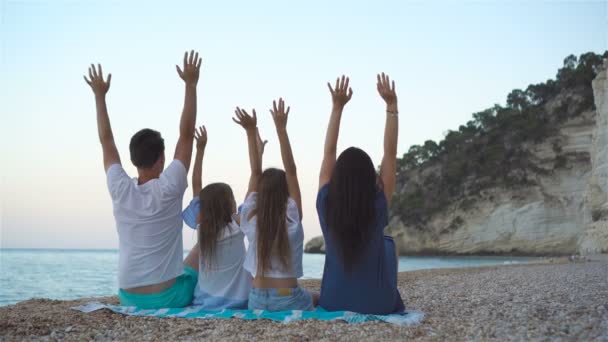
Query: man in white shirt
<point x="147" y="209"/>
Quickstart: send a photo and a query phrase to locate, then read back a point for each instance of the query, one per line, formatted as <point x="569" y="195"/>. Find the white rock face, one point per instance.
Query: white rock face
<point x="565" y="213"/>
<point x="315" y="245"/>
<point x="594" y="238"/>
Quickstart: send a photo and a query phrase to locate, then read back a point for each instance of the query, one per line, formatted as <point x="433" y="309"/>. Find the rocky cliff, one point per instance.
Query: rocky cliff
<point x="542" y="193"/>
<point x="562" y="209"/>
<point x="594" y="237"/>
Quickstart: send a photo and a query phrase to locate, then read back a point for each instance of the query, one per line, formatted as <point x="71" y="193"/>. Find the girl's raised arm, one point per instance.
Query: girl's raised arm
<point x="280" y="115"/>
<point x="200" y="135"/>
<point x="388" y="168"/>
<point x="249" y="123"/>
<point x="340" y="95"/>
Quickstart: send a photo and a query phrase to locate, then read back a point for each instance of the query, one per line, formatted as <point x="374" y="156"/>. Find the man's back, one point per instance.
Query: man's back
<point x="149" y="224"/>
<point x="152" y="272"/>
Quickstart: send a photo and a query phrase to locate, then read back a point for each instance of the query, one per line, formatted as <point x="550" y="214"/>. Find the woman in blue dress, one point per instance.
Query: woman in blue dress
<point x="360" y="272"/>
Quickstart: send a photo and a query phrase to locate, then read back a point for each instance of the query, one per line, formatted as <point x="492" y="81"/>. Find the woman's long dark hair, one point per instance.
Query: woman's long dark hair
<point x="271" y="211"/>
<point x="351" y="208"/>
<point x="217" y="207"/>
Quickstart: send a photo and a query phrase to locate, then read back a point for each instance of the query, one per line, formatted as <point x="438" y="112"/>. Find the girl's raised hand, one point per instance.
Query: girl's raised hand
<point x="341" y="93"/>
<point x="200" y="135"/>
<point x="259" y="143"/>
<point x="245" y="120"/>
<point x="279" y="114"/>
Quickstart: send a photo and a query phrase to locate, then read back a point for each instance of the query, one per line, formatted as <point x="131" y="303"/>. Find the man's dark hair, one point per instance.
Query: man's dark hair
<point x="146" y="147"/>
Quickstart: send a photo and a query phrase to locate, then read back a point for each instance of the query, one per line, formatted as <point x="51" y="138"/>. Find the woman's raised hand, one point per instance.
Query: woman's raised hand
<point x="245" y="120"/>
<point x="279" y="114"/>
<point x="386" y="89"/>
<point x="341" y="93"/>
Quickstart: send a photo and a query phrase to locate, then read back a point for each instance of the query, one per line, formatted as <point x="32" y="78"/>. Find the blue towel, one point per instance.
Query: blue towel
<point x="408" y="318"/>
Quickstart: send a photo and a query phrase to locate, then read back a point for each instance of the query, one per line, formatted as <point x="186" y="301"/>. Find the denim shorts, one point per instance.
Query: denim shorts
<point x="280" y="299"/>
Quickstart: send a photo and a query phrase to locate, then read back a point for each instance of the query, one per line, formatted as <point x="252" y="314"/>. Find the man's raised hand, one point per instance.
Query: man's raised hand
<point x="245" y="120"/>
<point x="191" y="68"/>
<point x="279" y="114"/>
<point x="96" y="82"/>
<point x="200" y="135"/>
<point x="341" y="93"/>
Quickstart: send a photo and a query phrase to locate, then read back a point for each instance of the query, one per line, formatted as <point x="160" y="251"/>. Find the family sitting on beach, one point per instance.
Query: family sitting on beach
<point x="360" y="272"/>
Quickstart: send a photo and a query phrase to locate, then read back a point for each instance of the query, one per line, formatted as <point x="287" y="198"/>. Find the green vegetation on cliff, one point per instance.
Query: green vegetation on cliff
<point x="489" y="150"/>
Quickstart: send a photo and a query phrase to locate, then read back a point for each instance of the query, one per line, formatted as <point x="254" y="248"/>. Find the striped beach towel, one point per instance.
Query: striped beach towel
<point x="408" y="318"/>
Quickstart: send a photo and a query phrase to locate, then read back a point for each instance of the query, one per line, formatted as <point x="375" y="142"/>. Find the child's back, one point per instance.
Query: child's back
<point x="226" y="284"/>
<point x="271" y="219"/>
<point x="223" y="283"/>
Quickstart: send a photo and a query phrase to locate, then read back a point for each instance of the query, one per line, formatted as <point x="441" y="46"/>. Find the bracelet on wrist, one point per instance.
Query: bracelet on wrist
<point x="392" y="113"/>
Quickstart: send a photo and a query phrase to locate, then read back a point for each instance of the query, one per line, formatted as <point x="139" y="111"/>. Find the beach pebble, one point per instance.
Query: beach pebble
<point x="555" y="301"/>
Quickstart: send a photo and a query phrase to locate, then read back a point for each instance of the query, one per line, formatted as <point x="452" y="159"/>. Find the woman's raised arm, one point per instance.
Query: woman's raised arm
<point x="388" y="168"/>
<point x="340" y="95"/>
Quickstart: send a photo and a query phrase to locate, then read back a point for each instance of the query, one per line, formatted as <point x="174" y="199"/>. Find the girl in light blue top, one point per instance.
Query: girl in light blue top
<point x="223" y="283"/>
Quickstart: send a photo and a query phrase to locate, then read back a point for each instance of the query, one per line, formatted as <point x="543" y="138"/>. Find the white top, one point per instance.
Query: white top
<point x="149" y="224"/>
<point x="295" y="234"/>
<point x="226" y="284"/>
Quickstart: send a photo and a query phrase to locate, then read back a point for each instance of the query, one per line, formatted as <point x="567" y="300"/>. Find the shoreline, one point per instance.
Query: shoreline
<point x="306" y="279"/>
<point x="514" y="254"/>
<point x="429" y="253"/>
<point x="501" y="302"/>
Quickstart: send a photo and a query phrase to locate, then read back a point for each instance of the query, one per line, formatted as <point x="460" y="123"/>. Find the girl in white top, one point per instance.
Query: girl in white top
<point x="271" y="220"/>
<point x="222" y="281"/>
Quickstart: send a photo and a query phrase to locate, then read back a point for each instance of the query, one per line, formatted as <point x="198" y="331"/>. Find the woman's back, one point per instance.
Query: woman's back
<point x="371" y="285"/>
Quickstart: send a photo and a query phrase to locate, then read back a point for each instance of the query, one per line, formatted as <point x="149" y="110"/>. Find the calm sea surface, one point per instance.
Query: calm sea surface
<point x="72" y="274"/>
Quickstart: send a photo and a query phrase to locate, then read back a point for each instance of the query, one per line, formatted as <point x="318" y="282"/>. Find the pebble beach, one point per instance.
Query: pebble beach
<point x="555" y="298"/>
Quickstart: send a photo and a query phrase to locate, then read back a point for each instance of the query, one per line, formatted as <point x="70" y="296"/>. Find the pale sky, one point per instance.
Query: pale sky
<point x="448" y="59"/>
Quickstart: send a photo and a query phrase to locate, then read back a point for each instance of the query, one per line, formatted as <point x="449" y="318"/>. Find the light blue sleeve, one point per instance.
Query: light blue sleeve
<point x="190" y="214"/>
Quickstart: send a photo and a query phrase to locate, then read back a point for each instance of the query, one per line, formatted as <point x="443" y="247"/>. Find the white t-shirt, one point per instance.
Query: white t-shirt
<point x="295" y="234"/>
<point x="226" y="284"/>
<point x="149" y="224"/>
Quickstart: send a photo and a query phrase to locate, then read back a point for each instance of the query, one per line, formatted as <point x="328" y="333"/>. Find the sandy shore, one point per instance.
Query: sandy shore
<point x="564" y="300"/>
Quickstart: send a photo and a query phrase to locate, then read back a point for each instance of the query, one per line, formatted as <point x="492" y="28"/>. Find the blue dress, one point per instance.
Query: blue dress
<point x="371" y="287"/>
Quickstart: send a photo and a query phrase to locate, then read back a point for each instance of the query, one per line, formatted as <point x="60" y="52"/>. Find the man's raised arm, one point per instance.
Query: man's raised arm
<point x="190" y="73"/>
<point x="106" y="138"/>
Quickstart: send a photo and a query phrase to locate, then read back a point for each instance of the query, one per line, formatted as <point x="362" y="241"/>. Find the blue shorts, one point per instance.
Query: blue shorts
<point x="178" y="295"/>
<point x="280" y="299"/>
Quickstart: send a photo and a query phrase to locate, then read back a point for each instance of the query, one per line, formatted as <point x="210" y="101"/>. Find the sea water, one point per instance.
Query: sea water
<point x="72" y="274"/>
